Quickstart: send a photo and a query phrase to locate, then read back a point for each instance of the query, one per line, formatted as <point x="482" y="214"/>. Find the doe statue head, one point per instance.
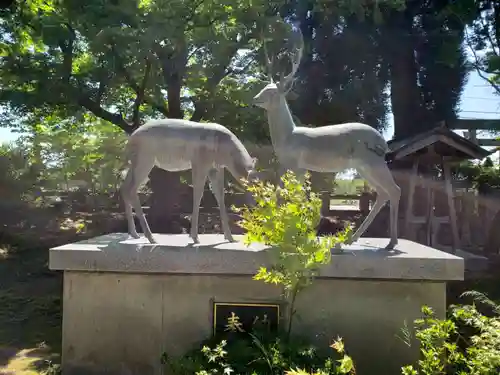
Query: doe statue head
<point x="271" y="95"/>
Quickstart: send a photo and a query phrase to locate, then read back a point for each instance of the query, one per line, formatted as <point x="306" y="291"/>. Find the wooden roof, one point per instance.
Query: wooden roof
<point x="434" y="144"/>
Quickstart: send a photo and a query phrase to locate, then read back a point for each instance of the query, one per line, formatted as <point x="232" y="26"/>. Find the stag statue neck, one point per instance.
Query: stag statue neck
<point x="281" y="124"/>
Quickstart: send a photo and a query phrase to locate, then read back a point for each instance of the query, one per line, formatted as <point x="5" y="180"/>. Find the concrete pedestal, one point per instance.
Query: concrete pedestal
<point x="127" y="301"/>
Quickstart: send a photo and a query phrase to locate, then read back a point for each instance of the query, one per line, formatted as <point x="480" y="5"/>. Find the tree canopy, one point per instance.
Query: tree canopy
<point x="126" y="61"/>
<point x="71" y="66"/>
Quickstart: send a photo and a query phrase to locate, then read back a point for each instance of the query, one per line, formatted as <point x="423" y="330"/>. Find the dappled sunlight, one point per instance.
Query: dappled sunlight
<point x="5" y="251"/>
<point x="31" y="361"/>
<point x="78" y="225"/>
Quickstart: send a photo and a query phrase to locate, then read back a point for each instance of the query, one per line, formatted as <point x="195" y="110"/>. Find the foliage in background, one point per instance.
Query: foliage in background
<point x="482" y="177"/>
<point x="94" y="157"/>
<point x="285" y="218"/>
<point x="18" y="176"/>
<point x="56" y="159"/>
<point x="125" y="62"/>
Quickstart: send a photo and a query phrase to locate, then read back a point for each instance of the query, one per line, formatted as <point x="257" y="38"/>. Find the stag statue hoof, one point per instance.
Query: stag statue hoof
<point x="229" y="238"/>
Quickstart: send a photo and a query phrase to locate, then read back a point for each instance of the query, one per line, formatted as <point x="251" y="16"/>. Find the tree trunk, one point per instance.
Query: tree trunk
<point x="164" y="214"/>
<point x="405" y="95"/>
<point x="164" y="202"/>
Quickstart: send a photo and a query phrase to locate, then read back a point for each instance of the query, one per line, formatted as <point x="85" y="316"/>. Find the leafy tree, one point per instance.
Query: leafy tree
<point x="94" y="156"/>
<point x="18" y="176"/>
<point x="482" y="22"/>
<point x="125" y="62"/>
<point x="343" y="76"/>
<point x="422" y="45"/>
<point x="358" y="56"/>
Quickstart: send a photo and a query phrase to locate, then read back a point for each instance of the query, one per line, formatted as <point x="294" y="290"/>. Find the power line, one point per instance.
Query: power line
<point x="481" y="98"/>
<point x="494" y="113"/>
<point x="470" y="118"/>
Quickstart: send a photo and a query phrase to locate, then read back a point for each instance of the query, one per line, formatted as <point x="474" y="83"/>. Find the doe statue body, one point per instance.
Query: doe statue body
<point x="331" y="148"/>
<point x="176" y="145"/>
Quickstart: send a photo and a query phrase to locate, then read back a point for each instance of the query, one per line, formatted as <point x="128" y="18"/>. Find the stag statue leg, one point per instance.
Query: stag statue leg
<point x="380" y="177"/>
<point x="137" y="175"/>
<point x="216" y="177"/>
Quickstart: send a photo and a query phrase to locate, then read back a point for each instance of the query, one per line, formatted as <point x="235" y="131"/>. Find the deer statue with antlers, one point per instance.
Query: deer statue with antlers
<point x="177" y="145"/>
<point x="330" y="148"/>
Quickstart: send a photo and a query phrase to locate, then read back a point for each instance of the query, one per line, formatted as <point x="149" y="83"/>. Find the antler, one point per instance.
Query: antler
<point x="284" y="83"/>
<point x="269" y="62"/>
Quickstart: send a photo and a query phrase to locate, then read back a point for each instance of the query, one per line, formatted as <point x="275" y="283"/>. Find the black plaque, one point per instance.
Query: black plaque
<point x="245" y="317"/>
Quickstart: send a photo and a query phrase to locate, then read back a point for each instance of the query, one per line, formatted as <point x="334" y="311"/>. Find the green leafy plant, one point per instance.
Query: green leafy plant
<point x="259" y="353"/>
<point x="466" y="343"/>
<point x="285" y="218"/>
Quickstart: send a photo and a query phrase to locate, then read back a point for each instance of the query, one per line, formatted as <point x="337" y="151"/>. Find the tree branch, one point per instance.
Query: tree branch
<point x="67" y="50"/>
<point x="123" y="70"/>
<point x="173" y="67"/>
<point x="97" y="110"/>
<point x="140" y="94"/>
<point x="100" y="90"/>
<point x="195" y="8"/>
<point x="222" y="71"/>
<point x="477" y="63"/>
<point x="488" y="35"/>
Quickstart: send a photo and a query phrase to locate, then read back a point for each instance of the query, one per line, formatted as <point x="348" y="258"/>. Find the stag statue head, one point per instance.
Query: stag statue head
<point x="271" y="95"/>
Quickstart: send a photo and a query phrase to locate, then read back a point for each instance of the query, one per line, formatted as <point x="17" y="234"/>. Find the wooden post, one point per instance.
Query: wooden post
<point x="451" y="205"/>
<point x="325" y="203"/>
<point x="364" y="202"/>
<point x="430" y="213"/>
<point x="411" y="193"/>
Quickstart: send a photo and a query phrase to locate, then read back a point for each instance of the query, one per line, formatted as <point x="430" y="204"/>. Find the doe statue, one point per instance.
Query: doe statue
<point x="330" y="148"/>
<point x="177" y="145"/>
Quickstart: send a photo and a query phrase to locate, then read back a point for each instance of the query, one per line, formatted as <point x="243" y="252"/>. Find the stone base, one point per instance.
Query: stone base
<point x="127" y="301"/>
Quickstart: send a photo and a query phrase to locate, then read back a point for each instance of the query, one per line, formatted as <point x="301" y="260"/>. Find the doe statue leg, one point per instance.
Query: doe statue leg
<point x="125" y="194"/>
<point x="216" y="177"/>
<point x="139" y="170"/>
<point x="199" y="174"/>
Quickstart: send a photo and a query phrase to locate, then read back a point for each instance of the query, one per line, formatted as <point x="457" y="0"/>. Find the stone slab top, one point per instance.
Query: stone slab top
<point x="177" y="254"/>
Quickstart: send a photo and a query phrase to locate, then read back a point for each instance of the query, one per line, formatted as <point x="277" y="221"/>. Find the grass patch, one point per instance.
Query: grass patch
<point x="30" y="309"/>
<point x="34" y="361"/>
<point x="348" y="187"/>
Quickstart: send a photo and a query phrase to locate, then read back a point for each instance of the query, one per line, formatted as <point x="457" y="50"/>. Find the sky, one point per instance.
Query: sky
<point x="478" y="101"/>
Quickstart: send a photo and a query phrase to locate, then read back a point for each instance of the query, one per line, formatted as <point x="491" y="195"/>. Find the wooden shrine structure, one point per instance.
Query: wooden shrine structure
<point x="424" y="161"/>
